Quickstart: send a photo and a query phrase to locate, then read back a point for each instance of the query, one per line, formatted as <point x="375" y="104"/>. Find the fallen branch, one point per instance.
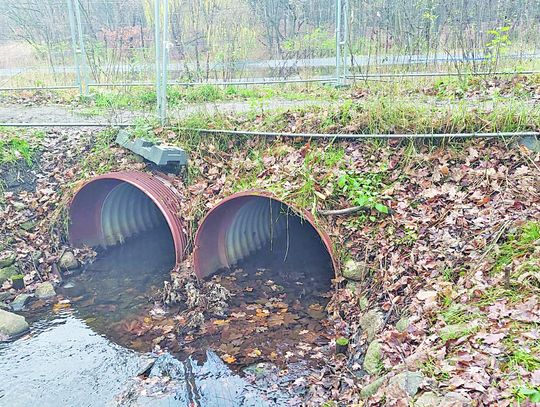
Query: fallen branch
<point x="346" y="211"/>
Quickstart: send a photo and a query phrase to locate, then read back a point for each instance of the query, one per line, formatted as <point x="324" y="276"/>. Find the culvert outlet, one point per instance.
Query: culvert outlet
<point x="257" y="225"/>
<point x="109" y="209"/>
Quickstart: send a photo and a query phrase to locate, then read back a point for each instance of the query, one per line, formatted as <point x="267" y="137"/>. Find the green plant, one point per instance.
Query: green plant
<point x="363" y="190"/>
<point x="525" y="392"/>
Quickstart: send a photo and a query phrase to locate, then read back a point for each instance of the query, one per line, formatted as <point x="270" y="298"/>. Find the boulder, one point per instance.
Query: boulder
<point x="428" y="399"/>
<point x="373" y="358"/>
<point x="11" y="324"/>
<point x="28" y="226"/>
<point x="354" y="270"/>
<point x="372" y="388"/>
<point x="403" y="324"/>
<point x="8" y="272"/>
<point x="68" y="261"/>
<point x="371" y="322"/>
<point x="404" y="385"/>
<point x="45" y="291"/>
<point x="20" y="301"/>
<point x="7" y="260"/>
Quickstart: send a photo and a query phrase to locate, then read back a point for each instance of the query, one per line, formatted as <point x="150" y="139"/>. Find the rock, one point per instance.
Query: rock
<point x="19" y="206"/>
<point x="371" y="322"/>
<point x="354" y="270"/>
<point x="7" y="273"/>
<point x="45" y="291"/>
<point x="403" y="324"/>
<point x="456" y="331"/>
<point x="372" y="388"/>
<point x="11" y="324"/>
<point x="404" y="384"/>
<point x="20" y="301"/>
<point x="7" y="260"/>
<point x="68" y="261"/>
<point x="5" y="306"/>
<point x="363" y="303"/>
<point x="28" y="226"/>
<point x="146" y="366"/>
<point x="428" y="399"/>
<point x="5" y="295"/>
<point x="373" y="358"/>
<point x="455" y="399"/>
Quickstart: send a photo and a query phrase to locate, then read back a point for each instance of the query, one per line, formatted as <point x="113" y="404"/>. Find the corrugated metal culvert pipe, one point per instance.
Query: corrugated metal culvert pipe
<point x="256" y="225"/>
<point x="114" y="207"/>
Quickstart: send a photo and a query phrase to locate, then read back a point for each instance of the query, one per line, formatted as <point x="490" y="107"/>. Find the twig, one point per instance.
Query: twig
<point x="346" y="211"/>
<point x="495" y="240"/>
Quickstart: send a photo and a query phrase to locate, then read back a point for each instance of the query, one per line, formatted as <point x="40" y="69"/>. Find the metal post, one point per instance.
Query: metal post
<point x="338" y="42"/>
<point x="82" y="50"/>
<point x="74" y="45"/>
<point x="158" y="44"/>
<point x="165" y="55"/>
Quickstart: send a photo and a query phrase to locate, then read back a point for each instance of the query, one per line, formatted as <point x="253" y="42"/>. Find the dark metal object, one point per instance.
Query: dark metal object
<point x="158" y="154"/>
<point x="110" y="208"/>
<point x="240" y="225"/>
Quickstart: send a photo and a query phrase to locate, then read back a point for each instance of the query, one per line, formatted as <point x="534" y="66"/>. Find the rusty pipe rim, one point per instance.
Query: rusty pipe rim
<point x="93" y="198"/>
<point x="200" y="257"/>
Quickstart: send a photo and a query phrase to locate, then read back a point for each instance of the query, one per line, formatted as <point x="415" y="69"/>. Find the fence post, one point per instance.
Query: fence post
<point x="165" y="61"/>
<point x="342" y="33"/>
<point x="338" y="42"/>
<point x="82" y="49"/>
<point x="74" y="45"/>
<point x="158" y="44"/>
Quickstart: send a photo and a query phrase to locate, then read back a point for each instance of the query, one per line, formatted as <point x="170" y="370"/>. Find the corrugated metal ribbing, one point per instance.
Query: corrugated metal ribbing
<point x="127" y="212"/>
<point x="241" y="225"/>
<point x="110" y="208"/>
<point x="255" y="224"/>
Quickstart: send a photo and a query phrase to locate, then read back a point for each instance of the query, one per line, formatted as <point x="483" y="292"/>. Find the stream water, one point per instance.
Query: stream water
<point x="90" y="348"/>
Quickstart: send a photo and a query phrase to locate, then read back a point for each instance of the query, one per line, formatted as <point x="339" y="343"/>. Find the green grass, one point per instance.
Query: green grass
<point x="15" y="146"/>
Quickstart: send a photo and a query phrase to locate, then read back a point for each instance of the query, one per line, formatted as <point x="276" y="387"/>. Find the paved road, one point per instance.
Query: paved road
<point x="13" y="113"/>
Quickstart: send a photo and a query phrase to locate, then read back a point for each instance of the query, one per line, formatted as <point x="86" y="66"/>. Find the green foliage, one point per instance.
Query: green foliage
<point x="499" y="42"/>
<point x="528" y="393"/>
<point x="101" y="158"/>
<point x="363" y="189"/>
<point x="18" y="147"/>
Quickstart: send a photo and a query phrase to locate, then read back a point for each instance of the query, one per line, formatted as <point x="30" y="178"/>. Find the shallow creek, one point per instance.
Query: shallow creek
<point x="90" y="347"/>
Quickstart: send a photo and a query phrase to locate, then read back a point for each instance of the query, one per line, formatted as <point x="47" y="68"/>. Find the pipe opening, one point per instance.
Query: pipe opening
<point x="131" y="207"/>
<point x="259" y="232"/>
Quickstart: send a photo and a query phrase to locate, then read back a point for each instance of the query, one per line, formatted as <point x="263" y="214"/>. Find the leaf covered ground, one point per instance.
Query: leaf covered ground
<point x="438" y="286"/>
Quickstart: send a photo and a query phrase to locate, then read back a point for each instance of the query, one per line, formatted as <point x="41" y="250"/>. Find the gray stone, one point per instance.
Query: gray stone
<point x="7" y="273"/>
<point x="354" y="270"/>
<point x="7" y="260"/>
<point x="371" y="322"/>
<point x="428" y="399"/>
<point x="405" y="384"/>
<point x="531" y="142"/>
<point x="68" y="261"/>
<point x="28" y="226"/>
<point x="373" y="358"/>
<point x="45" y="291"/>
<point x="363" y="303"/>
<point x="403" y="324"/>
<point x="19" y="206"/>
<point x="20" y="301"/>
<point x="5" y="306"/>
<point x="11" y="324"/>
<point x="372" y="388"/>
<point x="455" y="399"/>
<point x="5" y="295"/>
